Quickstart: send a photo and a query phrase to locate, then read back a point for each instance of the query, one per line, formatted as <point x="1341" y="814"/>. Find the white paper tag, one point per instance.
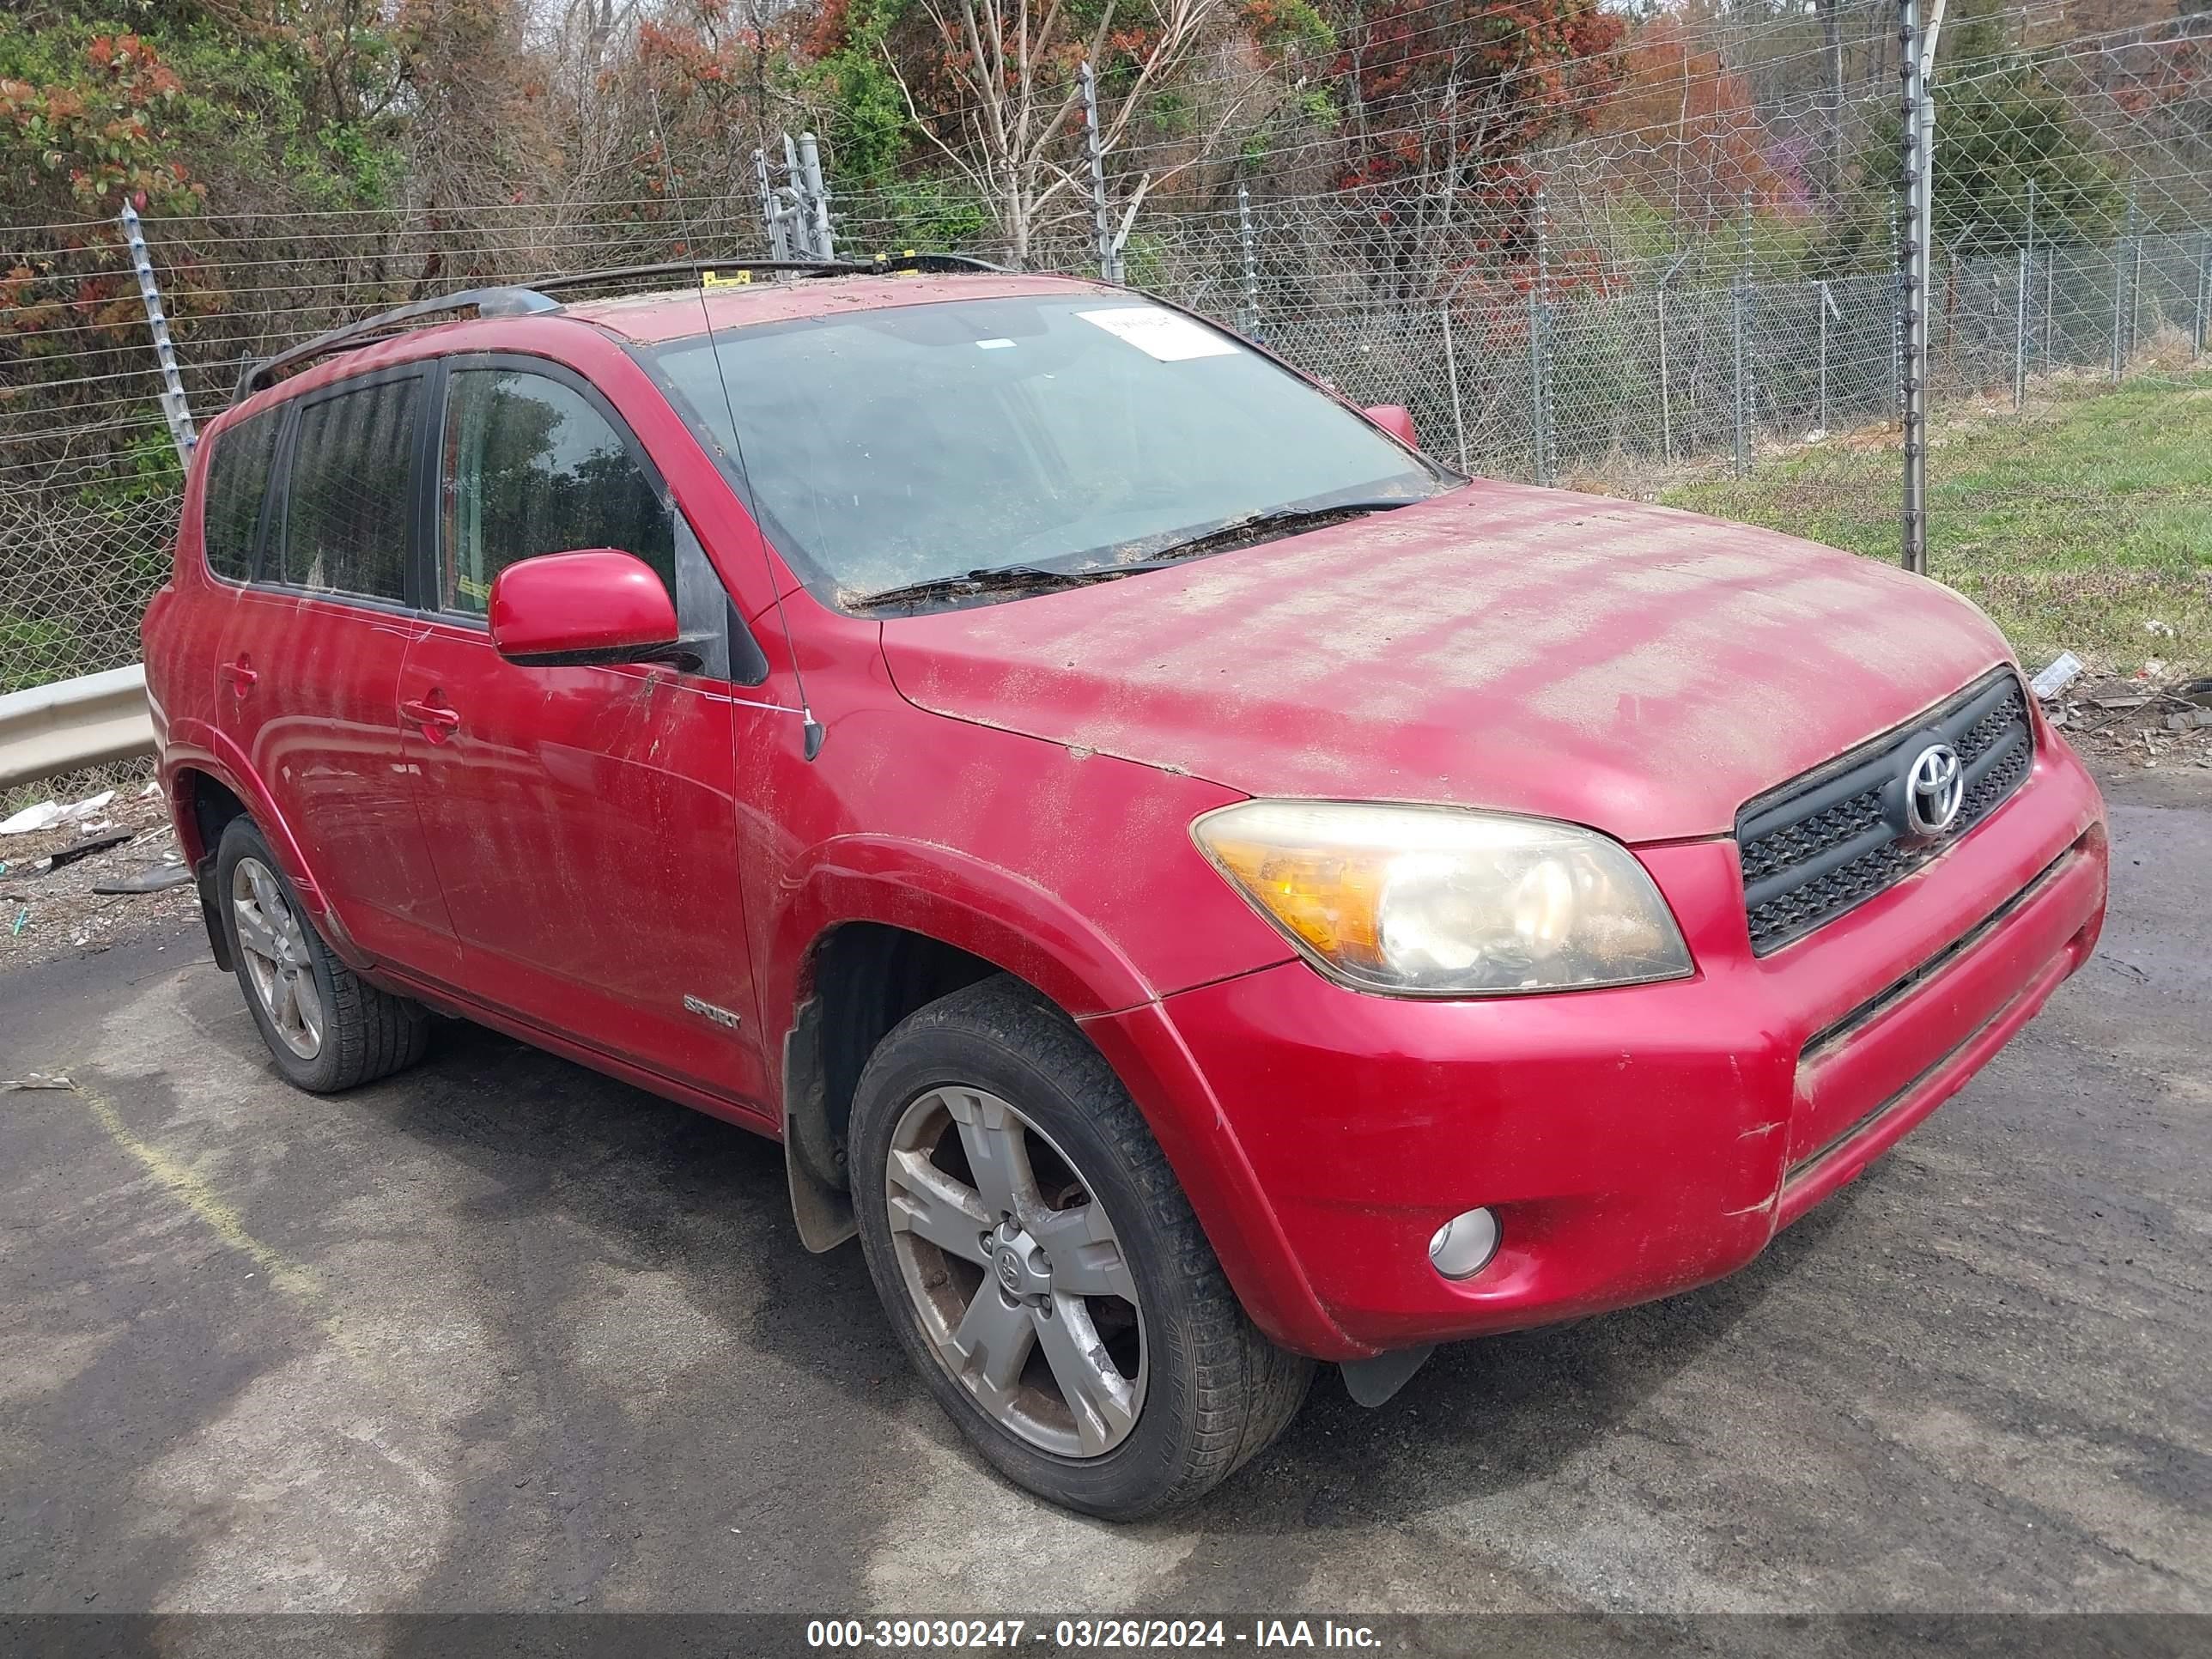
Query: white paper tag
<point x="1162" y="334"/>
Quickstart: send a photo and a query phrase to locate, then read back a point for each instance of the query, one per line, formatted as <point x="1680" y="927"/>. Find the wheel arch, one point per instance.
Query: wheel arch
<point x="206" y="790"/>
<point x="877" y="928"/>
<point x="968" y="918"/>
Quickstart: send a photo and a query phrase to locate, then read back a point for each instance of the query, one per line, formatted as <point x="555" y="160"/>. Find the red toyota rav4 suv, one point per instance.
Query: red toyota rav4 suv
<point x="1196" y="887"/>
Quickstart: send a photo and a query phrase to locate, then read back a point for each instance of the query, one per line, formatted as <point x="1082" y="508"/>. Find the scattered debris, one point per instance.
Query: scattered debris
<point x="157" y="877"/>
<point x="51" y="906"/>
<point x="37" y="1080"/>
<point x="2196" y="691"/>
<point x="43" y="816"/>
<point x="99" y="842"/>
<point x="2063" y="670"/>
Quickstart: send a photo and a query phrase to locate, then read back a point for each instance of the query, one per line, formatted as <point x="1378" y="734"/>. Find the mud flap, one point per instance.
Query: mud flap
<point x="813" y="1162"/>
<point x="211" y="913"/>
<point x="1372" y="1382"/>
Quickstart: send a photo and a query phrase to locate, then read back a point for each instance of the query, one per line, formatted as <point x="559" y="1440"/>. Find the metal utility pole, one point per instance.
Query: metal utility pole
<point x="1109" y="254"/>
<point x="173" y="408"/>
<point x="1917" y="35"/>
<point x="816" y="192"/>
<point x="796" y="212"/>
<point x="772" y="212"/>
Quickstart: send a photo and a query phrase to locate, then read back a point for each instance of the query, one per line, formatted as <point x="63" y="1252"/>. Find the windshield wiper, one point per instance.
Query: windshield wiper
<point x="1007" y="578"/>
<point x="991" y="579"/>
<point x="1277" y="521"/>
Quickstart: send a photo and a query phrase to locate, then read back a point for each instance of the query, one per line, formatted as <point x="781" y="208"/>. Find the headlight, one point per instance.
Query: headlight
<point x="1435" y="901"/>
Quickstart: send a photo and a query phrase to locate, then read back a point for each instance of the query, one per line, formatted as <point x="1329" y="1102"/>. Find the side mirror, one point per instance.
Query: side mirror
<point x="1397" y="420"/>
<point x="563" y="609"/>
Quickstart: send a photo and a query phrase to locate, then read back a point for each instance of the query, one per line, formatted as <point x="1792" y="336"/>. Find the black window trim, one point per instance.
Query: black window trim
<point x="276" y="416"/>
<point x="516" y="363"/>
<point x="276" y="508"/>
<point x="748" y="665"/>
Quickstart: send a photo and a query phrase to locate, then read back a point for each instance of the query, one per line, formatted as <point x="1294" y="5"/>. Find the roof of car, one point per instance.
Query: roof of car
<point x="675" y="313"/>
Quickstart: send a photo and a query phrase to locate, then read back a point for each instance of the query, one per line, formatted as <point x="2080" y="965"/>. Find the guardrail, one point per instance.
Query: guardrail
<point x="88" y="721"/>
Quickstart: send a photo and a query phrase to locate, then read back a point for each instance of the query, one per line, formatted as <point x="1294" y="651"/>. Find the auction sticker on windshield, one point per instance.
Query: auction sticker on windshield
<point x="1162" y="334"/>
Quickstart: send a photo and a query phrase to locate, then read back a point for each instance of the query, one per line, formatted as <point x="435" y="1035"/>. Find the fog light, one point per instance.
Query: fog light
<point x="1462" y="1247"/>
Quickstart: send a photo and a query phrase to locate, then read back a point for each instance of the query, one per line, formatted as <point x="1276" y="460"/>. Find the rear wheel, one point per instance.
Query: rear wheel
<point x="1044" y="1271"/>
<point x="326" y="1028"/>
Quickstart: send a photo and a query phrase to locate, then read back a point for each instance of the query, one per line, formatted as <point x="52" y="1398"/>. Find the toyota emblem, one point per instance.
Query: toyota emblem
<point x="1935" y="790"/>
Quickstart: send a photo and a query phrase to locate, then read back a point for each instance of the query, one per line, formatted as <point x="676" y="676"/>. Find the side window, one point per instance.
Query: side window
<point x="531" y="467"/>
<point x="237" y="480"/>
<point x="348" y="501"/>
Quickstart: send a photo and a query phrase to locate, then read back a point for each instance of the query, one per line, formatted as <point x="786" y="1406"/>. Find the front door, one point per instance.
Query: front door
<point x="308" y="675"/>
<point x="583" y="820"/>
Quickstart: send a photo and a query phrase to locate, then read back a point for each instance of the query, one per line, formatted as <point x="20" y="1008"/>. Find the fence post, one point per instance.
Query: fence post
<point x="2020" y="309"/>
<point x="1896" y="314"/>
<point x="2050" y="303"/>
<point x="1451" y="378"/>
<point x="1919" y="117"/>
<point x="1109" y="262"/>
<point x="2203" y="293"/>
<point x="173" y="408"/>
<point x="2120" y="294"/>
<point x="1826" y="304"/>
<point x="1741" y="297"/>
<point x="1252" y="276"/>
<point x="1666" y="391"/>
<point x="1540" y="347"/>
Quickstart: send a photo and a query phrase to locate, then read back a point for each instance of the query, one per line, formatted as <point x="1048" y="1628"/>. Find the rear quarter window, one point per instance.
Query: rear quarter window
<point x="348" y="499"/>
<point x="237" y="483"/>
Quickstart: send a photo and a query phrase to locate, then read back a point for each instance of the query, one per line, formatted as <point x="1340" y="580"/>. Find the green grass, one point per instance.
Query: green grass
<point x="2085" y="524"/>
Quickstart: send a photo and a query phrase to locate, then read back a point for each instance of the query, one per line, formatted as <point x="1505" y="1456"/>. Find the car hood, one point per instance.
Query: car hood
<point x="1631" y="667"/>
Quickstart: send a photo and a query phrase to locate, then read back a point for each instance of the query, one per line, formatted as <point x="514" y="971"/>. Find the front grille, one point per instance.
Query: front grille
<point x="1831" y="839"/>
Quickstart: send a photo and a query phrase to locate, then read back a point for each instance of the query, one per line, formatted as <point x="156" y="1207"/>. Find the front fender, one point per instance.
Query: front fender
<point x="1012" y="922"/>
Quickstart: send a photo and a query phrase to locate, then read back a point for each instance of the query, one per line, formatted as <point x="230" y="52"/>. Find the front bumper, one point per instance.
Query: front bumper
<point x="1633" y="1142"/>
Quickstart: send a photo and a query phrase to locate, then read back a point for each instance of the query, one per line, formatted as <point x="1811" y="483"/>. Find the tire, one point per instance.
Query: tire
<point x="326" y="1028"/>
<point x="1180" y="1387"/>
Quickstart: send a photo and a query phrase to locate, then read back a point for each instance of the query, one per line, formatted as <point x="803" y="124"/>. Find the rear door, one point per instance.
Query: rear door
<point x="309" y="670"/>
<point x="583" y="820"/>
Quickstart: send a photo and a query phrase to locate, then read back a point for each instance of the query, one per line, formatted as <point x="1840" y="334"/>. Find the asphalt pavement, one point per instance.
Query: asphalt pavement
<point x="499" y="1333"/>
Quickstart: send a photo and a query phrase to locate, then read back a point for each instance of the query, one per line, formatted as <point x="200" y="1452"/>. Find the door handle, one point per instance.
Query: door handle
<point x="434" y="718"/>
<point x="241" y="677"/>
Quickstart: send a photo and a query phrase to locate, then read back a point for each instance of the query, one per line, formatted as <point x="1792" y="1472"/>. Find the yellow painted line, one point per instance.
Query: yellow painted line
<point x="208" y="1207"/>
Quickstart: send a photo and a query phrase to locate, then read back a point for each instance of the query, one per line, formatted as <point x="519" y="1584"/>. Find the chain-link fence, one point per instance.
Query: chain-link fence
<point x="1670" y="311"/>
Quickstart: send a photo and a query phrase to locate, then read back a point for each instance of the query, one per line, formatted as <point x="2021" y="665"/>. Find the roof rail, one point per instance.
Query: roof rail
<point x="482" y="302"/>
<point x="532" y="299"/>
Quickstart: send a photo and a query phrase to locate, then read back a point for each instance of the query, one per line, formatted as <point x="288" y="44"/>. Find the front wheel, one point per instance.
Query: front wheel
<point x="1043" y="1269"/>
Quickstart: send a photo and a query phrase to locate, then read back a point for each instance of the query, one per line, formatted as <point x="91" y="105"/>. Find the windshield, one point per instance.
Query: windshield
<point x="889" y="447"/>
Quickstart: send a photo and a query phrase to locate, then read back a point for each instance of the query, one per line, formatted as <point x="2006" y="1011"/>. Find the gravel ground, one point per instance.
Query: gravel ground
<point x="500" y="1333"/>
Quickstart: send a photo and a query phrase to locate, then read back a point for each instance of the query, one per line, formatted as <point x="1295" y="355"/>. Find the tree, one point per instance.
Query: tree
<point x="992" y="87"/>
<point x="1448" y="99"/>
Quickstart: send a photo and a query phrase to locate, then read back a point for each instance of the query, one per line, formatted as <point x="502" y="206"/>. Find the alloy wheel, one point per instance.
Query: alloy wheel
<point x="1016" y="1270"/>
<point x="274" y="942"/>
